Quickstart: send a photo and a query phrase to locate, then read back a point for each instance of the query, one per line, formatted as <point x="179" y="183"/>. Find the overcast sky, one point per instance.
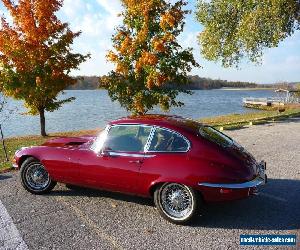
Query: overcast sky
<point x="97" y="19"/>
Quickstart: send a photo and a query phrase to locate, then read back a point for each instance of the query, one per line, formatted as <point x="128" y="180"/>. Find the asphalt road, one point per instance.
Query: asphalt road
<point x="89" y="219"/>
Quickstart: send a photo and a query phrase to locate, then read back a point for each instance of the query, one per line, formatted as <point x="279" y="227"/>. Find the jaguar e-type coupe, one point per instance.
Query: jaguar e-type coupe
<point x="179" y="162"/>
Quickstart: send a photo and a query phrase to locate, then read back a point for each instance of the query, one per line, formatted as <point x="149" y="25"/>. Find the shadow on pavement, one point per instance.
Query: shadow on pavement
<point x="277" y="207"/>
<point x="4" y="177"/>
<point x="88" y="192"/>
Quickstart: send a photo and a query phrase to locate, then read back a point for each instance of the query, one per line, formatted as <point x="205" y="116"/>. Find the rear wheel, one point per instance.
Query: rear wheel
<point x="35" y="178"/>
<point x="176" y="202"/>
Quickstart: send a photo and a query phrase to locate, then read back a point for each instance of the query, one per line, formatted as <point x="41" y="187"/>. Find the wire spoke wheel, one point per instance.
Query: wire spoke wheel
<point x="176" y="201"/>
<point x="37" y="177"/>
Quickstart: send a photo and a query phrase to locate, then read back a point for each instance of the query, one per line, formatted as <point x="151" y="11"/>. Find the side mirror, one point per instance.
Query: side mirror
<point x="104" y="152"/>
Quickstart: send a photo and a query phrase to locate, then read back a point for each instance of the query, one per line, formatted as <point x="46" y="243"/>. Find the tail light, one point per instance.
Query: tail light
<point x="225" y="190"/>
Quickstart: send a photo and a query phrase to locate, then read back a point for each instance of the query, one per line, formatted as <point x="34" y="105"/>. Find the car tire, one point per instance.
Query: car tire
<point x="35" y="178"/>
<point x="177" y="203"/>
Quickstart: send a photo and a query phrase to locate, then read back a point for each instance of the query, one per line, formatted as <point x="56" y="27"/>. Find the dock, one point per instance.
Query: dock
<point x="250" y="102"/>
<point x="283" y="97"/>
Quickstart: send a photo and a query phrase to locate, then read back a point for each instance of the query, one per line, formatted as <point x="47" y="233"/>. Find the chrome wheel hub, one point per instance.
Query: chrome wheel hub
<point x="176" y="201"/>
<point x="37" y="177"/>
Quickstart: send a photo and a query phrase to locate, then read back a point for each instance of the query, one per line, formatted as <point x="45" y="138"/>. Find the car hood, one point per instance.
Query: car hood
<point x="70" y="141"/>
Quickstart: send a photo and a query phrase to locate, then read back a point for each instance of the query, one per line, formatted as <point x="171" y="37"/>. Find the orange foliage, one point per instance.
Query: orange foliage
<point x="37" y="39"/>
<point x="149" y="58"/>
<point x="38" y="81"/>
<point x="111" y="56"/>
<point x="158" y="45"/>
<point x="145" y="52"/>
<point x="122" y="68"/>
<point x="35" y="54"/>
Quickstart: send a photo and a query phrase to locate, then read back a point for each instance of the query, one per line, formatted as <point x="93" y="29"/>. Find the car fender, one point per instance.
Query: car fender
<point x="25" y="152"/>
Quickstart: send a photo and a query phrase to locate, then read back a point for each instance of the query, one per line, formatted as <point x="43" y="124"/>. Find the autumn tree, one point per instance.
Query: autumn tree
<point x="35" y="55"/>
<point x="236" y="29"/>
<point x="150" y="63"/>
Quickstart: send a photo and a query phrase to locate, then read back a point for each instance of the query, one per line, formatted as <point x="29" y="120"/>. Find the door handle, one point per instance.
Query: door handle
<point x="136" y="162"/>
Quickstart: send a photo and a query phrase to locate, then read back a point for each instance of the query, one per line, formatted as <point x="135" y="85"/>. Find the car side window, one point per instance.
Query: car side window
<point x="127" y="138"/>
<point x="167" y="141"/>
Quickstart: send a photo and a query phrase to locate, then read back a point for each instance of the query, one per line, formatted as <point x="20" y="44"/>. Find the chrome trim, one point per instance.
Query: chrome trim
<point x="259" y="180"/>
<point x="14" y="165"/>
<point x="142" y="155"/>
<point x="149" y="140"/>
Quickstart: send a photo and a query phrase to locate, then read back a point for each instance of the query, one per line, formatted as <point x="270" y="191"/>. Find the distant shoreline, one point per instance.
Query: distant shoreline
<point x="248" y="89"/>
<point x="228" y="89"/>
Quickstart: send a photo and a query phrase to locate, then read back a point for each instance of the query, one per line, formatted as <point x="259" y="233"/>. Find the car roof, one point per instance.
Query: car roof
<point x="168" y="121"/>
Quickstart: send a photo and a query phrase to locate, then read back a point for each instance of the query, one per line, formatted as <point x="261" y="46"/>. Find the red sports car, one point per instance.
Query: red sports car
<point x="179" y="162"/>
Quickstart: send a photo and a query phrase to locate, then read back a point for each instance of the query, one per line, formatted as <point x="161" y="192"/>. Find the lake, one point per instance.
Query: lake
<point x="93" y="109"/>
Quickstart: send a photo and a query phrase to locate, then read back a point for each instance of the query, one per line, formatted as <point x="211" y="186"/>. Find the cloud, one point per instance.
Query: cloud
<point x="73" y="8"/>
<point x="112" y="7"/>
<point x="96" y="20"/>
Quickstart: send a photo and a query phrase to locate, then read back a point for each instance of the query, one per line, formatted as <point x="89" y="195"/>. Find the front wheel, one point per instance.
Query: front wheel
<point x="35" y="178"/>
<point x="176" y="202"/>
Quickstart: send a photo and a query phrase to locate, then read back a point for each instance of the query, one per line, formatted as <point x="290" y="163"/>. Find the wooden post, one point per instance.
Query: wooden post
<point x="3" y="144"/>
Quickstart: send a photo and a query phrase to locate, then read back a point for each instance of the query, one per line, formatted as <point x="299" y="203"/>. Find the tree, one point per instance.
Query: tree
<point x="35" y="55"/>
<point x="297" y="87"/>
<point x="236" y="29"/>
<point x="148" y="56"/>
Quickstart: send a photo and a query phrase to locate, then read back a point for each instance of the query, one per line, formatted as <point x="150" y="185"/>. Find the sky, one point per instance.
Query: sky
<point x="98" y="18"/>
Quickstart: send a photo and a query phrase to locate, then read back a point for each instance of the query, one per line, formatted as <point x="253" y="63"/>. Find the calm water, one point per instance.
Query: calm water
<point x="93" y="108"/>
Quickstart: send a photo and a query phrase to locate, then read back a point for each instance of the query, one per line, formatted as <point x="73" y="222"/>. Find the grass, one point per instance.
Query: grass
<point x="232" y="121"/>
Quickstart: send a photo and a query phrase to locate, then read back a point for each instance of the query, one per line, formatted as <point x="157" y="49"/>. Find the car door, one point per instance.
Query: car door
<point x="116" y="159"/>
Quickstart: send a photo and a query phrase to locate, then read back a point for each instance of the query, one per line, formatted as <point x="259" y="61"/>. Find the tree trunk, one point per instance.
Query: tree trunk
<point x="42" y="122"/>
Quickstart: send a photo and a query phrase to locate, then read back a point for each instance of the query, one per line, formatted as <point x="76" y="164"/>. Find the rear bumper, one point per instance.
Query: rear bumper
<point x="234" y="191"/>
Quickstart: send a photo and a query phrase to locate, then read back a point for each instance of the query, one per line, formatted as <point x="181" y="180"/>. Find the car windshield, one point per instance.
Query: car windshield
<point x="99" y="142"/>
<point x="215" y="136"/>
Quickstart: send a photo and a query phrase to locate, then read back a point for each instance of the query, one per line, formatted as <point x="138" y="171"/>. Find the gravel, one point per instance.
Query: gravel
<point x="89" y="219"/>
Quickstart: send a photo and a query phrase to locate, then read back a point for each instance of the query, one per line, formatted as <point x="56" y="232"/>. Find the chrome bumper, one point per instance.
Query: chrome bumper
<point x="259" y="180"/>
<point x="15" y="165"/>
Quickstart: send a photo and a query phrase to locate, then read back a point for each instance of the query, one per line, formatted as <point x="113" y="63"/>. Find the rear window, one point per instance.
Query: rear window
<point x="216" y="136"/>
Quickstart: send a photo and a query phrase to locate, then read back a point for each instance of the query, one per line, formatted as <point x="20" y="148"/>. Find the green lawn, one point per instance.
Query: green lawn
<point x="232" y="121"/>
